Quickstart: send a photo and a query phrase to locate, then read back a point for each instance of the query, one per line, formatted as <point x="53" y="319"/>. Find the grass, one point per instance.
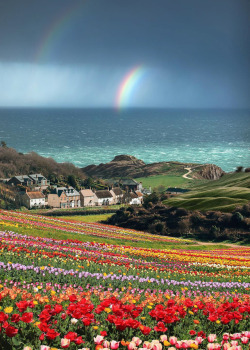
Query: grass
<point x="165" y="180"/>
<point x="87" y="218"/>
<point x="225" y="194"/>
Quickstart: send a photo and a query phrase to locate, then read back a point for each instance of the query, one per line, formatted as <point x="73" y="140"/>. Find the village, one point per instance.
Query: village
<point x="33" y="193"/>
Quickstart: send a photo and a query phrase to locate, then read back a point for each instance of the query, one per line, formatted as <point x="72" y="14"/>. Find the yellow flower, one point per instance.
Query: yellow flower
<point x="35" y="302"/>
<point x="52" y="292"/>
<point x="95" y="327"/>
<point x="166" y="343"/>
<point x="8" y="309"/>
<point x="107" y="309"/>
<point x="218" y="321"/>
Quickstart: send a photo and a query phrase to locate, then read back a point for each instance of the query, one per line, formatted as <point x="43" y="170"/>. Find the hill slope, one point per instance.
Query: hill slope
<point x="224" y="194"/>
<point x="125" y="165"/>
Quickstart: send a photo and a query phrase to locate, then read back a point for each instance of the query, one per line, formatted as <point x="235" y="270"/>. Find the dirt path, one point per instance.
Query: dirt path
<point x="185" y="176"/>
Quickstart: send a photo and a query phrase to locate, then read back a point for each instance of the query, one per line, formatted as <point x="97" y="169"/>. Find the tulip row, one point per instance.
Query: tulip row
<point x="57" y="294"/>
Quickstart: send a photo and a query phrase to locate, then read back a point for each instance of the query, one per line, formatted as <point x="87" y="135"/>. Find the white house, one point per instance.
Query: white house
<point x="132" y="198"/>
<point x="103" y="197"/>
<point x="33" y="199"/>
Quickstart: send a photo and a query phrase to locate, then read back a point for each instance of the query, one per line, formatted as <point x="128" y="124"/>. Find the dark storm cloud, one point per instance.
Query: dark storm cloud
<point x="200" y="49"/>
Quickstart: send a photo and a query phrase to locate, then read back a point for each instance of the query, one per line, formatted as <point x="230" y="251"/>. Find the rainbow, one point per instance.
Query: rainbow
<point x="128" y="86"/>
<point x="56" y="28"/>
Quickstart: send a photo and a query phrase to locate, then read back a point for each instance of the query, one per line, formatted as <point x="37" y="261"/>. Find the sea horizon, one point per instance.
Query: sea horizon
<point x="85" y="136"/>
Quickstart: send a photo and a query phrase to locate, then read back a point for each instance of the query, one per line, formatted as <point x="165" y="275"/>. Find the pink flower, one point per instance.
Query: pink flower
<point x="105" y="344"/>
<point x="156" y="345"/>
<point x="226" y="336"/>
<point x="27" y="348"/>
<point x="114" y="344"/>
<point x="244" y="340"/>
<point x="172" y="340"/>
<point x="199" y="340"/>
<point x="44" y="347"/>
<point x="178" y="344"/>
<point x="210" y="346"/>
<point x="65" y="343"/>
<point x="234" y="343"/>
<point x="211" y="338"/>
<point x="137" y="341"/>
<point x="98" y="339"/>
<point x="163" y="337"/>
<point x="132" y="345"/>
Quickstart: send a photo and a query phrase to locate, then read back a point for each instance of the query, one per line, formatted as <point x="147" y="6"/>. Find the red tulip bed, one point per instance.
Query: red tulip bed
<point x="58" y="294"/>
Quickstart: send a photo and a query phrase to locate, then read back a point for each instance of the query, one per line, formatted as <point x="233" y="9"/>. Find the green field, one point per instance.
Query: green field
<point x="87" y="218"/>
<point x="225" y="194"/>
<point x="165" y="180"/>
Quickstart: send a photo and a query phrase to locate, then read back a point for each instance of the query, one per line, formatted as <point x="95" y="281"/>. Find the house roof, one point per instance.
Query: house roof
<point x="117" y="191"/>
<point x="37" y="176"/>
<point x="132" y="195"/>
<point x="70" y="192"/>
<point x="35" y="195"/>
<point x="129" y="182"/>
<point x="87" y="193"/>
<point x="22" y="178"/>
<point x="103" y="194"/>
<point x="139" y="194"/>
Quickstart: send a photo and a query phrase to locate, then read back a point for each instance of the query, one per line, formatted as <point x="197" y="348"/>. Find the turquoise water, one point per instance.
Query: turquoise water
<point x="93" y="136"/>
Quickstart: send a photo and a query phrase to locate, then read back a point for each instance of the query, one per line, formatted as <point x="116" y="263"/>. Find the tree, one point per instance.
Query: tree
<point x="3" y="144"/>
<point x="239" y="169"/>
<point x="72" y="181"/>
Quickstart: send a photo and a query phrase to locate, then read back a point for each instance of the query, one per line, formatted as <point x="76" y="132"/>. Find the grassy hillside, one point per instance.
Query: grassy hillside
<point x="224" y="194"/>
<point x="164" y="180"/>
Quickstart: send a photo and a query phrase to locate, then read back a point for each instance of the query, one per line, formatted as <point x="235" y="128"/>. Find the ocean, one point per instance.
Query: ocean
<point x="93" y="136"/>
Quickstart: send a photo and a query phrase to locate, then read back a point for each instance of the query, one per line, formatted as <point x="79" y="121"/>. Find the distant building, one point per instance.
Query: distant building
<point x="39" y="180"/>
<point x="103" y="197"/>
<point x="132" y="198"/>
<point x="87" y="198"/>
<point x="117" y="194"/>
<point x="56" y="201"/>
<point x="23" y="180"/>
<point x="73" y="196"/>
<point x="129" y="185"/>
<point x="34" y="199"/>
<point x="176" y="190"/>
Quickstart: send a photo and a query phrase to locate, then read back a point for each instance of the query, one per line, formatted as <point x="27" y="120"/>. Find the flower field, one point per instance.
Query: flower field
<point x="58" y="294"/>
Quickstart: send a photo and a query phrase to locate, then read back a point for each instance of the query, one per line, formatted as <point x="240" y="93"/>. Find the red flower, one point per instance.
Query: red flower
<point x="3" y="317"/>
<point x="145" y="330"/>
<point x="78" y="340"/>
<point x="72" y="298"/>
<point x="52" y="334"/>
<point x="22" y="305"/>
<point x="192" y="332"/>
<point x="104" y="333"/>
<point x="160" y="327"/>
<point x="43" y="327"/>
<point x="27" y="317"/>
<point x="11" y="331"/>
<point x="15" y="318"/>
<point x="71" y="335"/>
<point x="58" y="308"/>
<point x="41" y="337"/>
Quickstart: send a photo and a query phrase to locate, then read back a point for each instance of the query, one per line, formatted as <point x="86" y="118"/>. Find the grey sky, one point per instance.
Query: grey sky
<point x="196" y="53"/>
